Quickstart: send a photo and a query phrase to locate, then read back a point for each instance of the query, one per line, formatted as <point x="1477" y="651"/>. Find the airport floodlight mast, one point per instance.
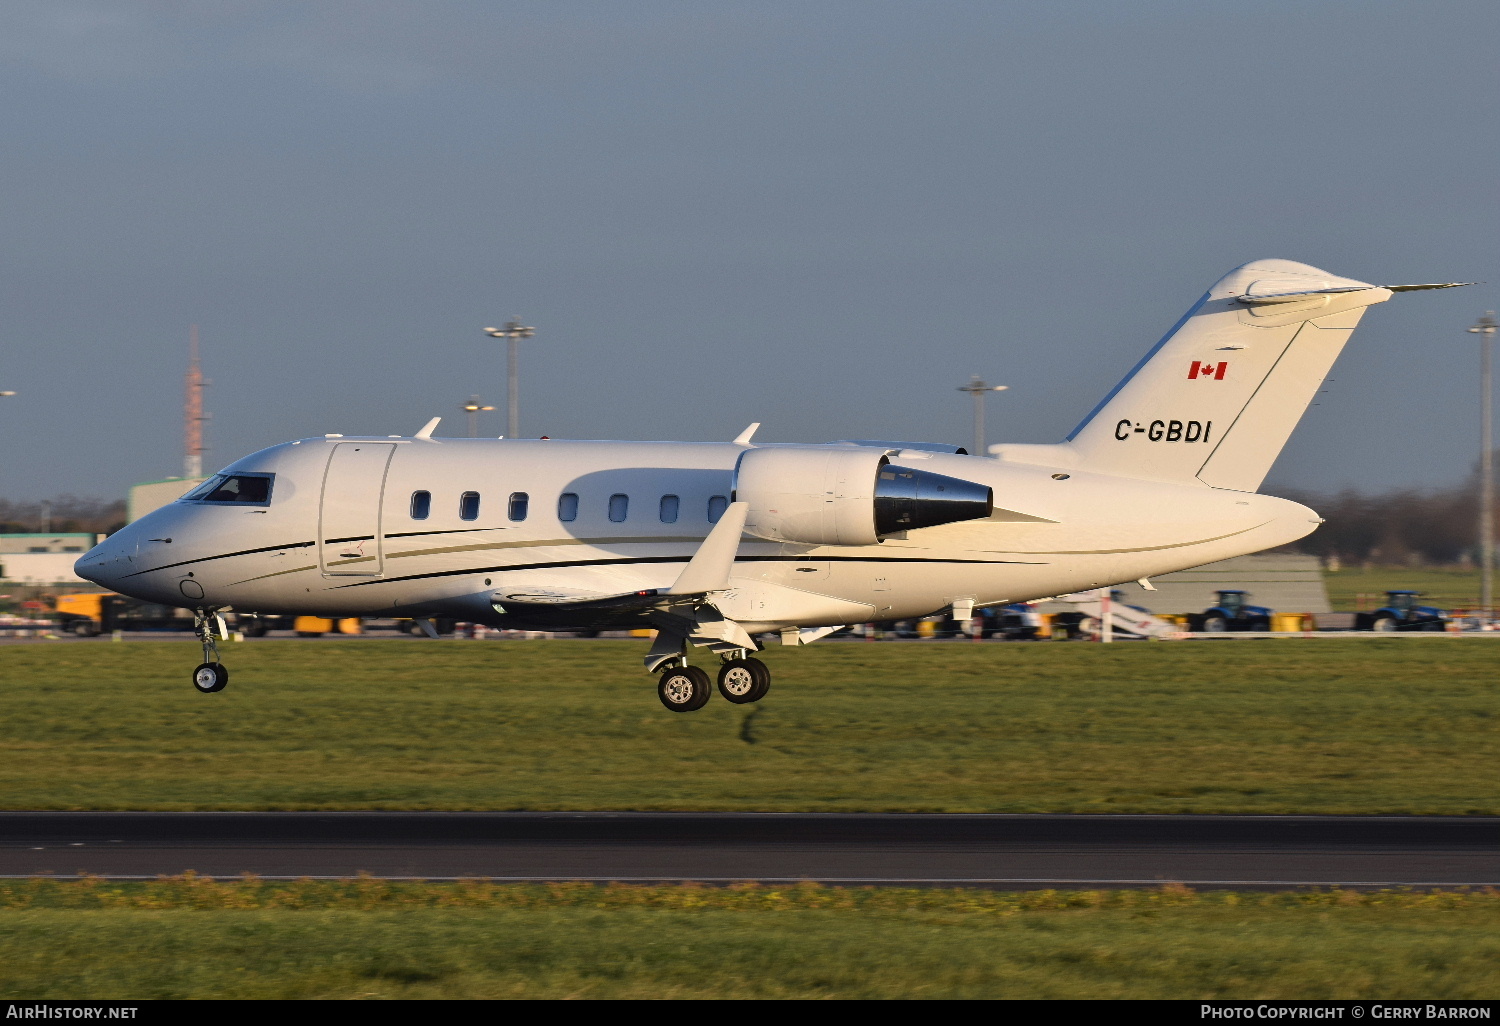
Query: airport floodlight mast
<point x="473" y="407"/>
<point x="978" y="389"/>
<point x="192" y="412"/>
<point x="513" y="332"/>
<point x="1485" y="329"/>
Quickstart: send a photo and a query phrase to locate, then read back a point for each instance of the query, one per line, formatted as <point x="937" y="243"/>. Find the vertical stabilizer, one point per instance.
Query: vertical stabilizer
<point x="1218" y="397"/>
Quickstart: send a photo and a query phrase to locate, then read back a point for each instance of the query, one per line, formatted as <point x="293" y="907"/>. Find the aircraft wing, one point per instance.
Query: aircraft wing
<point x="612" y="591"/>
<point x="682" y="610"/>
<point x="584" y="596"/>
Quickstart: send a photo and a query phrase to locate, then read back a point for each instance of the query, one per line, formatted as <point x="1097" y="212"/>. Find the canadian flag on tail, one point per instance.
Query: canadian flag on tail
<point x="1215" y="371"/>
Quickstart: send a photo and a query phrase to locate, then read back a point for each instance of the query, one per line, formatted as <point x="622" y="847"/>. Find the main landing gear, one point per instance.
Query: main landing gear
<point x="210" y="675"/>
<point x="684" y="688"/>
<point x="744" y="680"/>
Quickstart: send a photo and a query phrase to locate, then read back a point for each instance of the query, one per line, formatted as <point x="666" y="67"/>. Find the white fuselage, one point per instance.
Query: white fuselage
<point x="340" y="538"/>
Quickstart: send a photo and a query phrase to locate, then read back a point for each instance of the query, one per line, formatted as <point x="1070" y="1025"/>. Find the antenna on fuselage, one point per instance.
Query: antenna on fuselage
<point x="428" y="428"/>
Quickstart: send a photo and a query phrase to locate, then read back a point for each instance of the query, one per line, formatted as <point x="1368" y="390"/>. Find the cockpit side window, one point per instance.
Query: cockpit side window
<point x="236" y="489"/>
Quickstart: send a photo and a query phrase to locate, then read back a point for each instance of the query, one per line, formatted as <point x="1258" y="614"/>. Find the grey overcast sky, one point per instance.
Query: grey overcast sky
<point x="820" y="215"/>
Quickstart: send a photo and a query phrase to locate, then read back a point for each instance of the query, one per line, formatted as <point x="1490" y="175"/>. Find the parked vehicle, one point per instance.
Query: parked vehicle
<point x="1401" y="613"/>
<point x="1233" y="613"/>
<point x="1125" y="620"/>
<point x="89" y="613"/>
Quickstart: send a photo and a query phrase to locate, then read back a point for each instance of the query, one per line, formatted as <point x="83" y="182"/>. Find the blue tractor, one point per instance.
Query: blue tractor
<point x="1401" y="613"/>
<point x="1232" y="613"/>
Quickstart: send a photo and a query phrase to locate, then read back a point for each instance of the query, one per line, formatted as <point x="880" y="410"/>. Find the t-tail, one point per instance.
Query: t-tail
<point x="1216" y="399"/>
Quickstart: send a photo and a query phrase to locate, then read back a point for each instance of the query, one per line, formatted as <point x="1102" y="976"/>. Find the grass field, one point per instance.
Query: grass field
<point x="191" y="938"/>
<point x="1445" y="587"/>
<point x="1395" y="725"/>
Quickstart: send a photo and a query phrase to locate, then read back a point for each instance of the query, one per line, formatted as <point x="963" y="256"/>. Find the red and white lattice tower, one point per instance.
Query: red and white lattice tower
<point x="192" y="412"/>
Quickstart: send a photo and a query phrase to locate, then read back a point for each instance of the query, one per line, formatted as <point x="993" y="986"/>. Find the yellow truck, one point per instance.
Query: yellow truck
<point x="87" y="613"/>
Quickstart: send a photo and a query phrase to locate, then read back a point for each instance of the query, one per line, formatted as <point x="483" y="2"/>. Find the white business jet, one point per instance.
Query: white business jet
<point x="717" y="545"/>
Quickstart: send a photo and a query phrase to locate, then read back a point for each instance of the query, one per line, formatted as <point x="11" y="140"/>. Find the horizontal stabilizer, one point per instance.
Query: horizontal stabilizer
<point x="1255" y="296"/>
<point x="1424" y="288"/>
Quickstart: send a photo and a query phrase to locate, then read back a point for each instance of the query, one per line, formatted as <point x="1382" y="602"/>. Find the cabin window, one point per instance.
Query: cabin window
<point x="468" y="506"/>
<point x="717" y="504"/>
<point x="421" y="505"/>
<point x="519" y="501"/>
<point x="240" y="489"/>
<point x="619" y="508"/>
<point x="669" y="504"/>
<point x="567" y="506"/>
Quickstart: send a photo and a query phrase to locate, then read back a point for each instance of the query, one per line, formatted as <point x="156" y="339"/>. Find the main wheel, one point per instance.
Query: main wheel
<point x="1383" y="623"/>
<point x="684" y="689"/>
<point x="743" y="681"/>
<point x="1215" y="624"/>
<point x="210" y="677"/>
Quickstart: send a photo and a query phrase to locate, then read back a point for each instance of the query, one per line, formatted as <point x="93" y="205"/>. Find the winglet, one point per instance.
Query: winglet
<point x="428" y="428"/>
<point x="708" y="570"/>
<point x="743" y="438"/>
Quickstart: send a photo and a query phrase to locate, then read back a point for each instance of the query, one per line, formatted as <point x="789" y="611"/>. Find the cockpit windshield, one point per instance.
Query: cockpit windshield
<point x="240" y="489"/>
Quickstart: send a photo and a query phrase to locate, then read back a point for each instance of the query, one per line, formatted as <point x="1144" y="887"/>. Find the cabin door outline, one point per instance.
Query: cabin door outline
<point x="350" y="533"/>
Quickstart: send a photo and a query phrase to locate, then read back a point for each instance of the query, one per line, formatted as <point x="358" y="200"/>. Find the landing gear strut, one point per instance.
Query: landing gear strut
<point x="210" y="675"/>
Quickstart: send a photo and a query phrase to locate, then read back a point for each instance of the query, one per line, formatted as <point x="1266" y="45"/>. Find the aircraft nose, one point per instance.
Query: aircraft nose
<point x="104" y="563"/>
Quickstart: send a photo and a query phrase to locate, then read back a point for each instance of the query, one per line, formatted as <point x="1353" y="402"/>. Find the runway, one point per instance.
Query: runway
<point x="930" y="850"/>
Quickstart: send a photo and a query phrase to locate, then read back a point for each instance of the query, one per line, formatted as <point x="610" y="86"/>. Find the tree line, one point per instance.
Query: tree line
<point x="1400" y="526"/>
<point x="64" y="514"/>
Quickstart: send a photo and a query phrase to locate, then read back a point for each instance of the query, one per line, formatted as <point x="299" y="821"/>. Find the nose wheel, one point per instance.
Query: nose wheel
<point x="210" y="675"/>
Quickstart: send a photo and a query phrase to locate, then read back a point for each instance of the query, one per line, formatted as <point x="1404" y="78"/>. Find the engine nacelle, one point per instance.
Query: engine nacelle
<point x="822" y="495"/>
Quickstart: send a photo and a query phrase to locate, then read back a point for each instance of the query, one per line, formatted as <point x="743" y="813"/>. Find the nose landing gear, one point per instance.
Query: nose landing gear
<point x="210" y="675"/>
